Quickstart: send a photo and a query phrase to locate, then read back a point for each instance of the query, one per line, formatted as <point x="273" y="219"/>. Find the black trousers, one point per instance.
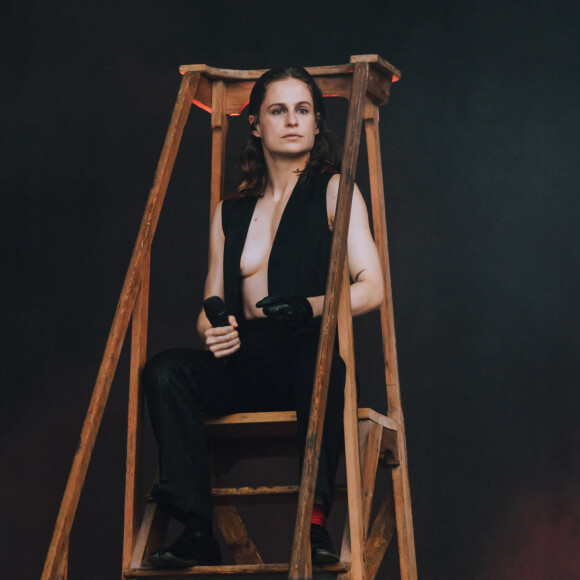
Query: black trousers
<point x="272" y="371"/>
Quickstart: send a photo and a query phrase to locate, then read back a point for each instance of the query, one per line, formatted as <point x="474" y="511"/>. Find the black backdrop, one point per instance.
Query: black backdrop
<point x="480" y="146"/>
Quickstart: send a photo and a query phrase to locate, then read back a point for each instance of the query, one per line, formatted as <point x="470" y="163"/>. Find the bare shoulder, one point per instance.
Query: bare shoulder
<point x="358" y="203"/>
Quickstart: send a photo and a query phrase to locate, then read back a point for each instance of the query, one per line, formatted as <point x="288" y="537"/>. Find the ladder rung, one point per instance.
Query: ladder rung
<point x="262" y="495"/>
<point x="245" y="570"/>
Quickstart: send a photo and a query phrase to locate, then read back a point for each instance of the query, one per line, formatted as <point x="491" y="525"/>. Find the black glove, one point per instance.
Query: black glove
<point x="288" y="312"/>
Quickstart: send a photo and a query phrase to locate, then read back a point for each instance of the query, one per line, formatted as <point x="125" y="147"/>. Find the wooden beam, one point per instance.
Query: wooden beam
<point x="135" y="416"/>
<point x="151" y="534"/>
<point x="301" y="566"/>
<point x="267" y="571"/>
<point x="381" y="536"/>
<point x="401" y="487"/>
<point x="264" y="494"/>
<point x="355" y="537"/>
<point x="235" y="534"/>
<point x="381" y="241"/>
<point x="119" y="327"/>
<point x="219" y="131"/>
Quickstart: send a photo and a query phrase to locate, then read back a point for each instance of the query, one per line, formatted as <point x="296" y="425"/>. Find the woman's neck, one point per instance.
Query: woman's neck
<point x="283" y="173"/>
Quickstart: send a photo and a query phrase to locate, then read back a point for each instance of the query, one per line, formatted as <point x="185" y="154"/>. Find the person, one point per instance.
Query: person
<point x="269" y="255"/>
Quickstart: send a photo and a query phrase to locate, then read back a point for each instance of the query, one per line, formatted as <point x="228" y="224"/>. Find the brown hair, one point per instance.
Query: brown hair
<point x="326" y="153"/>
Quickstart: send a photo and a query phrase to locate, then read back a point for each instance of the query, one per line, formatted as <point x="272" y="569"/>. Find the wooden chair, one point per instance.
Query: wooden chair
<point x="371" y="439"/>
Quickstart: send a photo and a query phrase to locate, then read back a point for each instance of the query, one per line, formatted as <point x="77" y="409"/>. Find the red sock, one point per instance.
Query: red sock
<point x="318" y="515"/>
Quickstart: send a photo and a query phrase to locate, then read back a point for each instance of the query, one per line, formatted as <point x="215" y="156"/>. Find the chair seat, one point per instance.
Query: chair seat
<point x="275" y="424"/>
<point x="270" y="434"/>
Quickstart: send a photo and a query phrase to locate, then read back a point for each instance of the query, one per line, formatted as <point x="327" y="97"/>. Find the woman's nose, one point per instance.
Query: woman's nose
<point x="292" y="119"/>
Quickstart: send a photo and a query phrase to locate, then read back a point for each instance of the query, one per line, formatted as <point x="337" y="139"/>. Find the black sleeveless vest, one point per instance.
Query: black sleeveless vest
<point x="300" y="255"/>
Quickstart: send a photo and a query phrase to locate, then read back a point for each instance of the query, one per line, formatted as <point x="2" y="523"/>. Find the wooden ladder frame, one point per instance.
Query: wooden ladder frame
<point x="365" y="82"/>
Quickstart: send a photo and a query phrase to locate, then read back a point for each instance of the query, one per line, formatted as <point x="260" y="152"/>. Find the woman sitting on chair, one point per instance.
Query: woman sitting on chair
<point x="269" y="257"/>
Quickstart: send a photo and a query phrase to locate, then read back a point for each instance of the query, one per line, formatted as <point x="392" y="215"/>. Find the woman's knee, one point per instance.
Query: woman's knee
<point x="162" y="372"/>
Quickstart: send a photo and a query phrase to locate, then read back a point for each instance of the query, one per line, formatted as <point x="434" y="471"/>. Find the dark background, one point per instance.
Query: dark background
<point x="480" y="149"/>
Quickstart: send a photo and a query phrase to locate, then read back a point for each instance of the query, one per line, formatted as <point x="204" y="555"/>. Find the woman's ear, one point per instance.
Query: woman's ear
<point x="317" y="130"/>
<point x="254" y="125"/>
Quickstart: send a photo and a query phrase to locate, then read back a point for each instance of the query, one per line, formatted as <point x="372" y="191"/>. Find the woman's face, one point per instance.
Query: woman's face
<point x="287" y="122"/>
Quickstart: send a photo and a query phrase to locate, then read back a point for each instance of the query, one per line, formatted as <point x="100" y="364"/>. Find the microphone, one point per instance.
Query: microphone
<point x="215" y="310"/>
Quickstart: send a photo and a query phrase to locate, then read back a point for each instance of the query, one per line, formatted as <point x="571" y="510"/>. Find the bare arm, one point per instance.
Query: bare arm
<point x="366" y="290"/>
<point x="223" y="340"/>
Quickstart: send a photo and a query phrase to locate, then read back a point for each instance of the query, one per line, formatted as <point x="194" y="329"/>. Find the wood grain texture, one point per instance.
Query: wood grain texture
<point x="370" y="441"/>
<point x="219" y="132"/>
<point x="300" y="566"/>
<point x="236" y="536"/>
<point x="62" y="573"/>
<point x="151" y="534"/>
<point x="265" y="571"/>
<point x="400" y="474"/>
<point x="381" y="240"/>
<point x="378" y="63"/>
<point x="380" y="536"/>
<point x="225" y="74"/>
<point x="355" y="536"/>
<point x="264" y="494"/>
<point x="119" y="328"/>
<point x="135" y="415"/>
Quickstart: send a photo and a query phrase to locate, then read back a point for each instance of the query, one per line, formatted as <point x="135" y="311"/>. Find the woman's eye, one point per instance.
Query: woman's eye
<point x="277" y="111"/>
<point x="303" y="111"/>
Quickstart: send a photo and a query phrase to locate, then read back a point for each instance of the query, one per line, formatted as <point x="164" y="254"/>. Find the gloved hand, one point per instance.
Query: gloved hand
<point x="289" y="312"/>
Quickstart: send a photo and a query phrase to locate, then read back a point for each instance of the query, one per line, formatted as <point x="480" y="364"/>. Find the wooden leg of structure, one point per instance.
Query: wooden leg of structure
<point x="300" y="564"/>
<point x="404" y="515"/>
<point x="351" y="444"/>
<point x="219" y="131"/>
<point x="62" y="572"/>
<point x="116" y="337"/>
<point x="151" y="534"/>
<point x="135" y="418"/>
<point x="401" y="487"/>
<point x="236" y="536"/>
<point x="370" y="439"/>
<point x="380" y="536"/>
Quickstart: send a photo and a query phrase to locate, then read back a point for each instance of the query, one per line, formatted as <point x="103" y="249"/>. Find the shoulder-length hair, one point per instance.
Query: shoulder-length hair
<point x="325" y="155"/>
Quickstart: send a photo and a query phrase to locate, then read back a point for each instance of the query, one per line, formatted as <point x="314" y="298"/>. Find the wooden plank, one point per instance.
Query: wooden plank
<point x="381" y="536"/>
<point x="62" y="572"/>
<point x="281" y="424"/>
<point x="389" y="448"/>
<point x="202" y="97"/>
<point x="404" y="515"/>
<point x="400" y="474"/>
<point x="282" y="421"/>
<point x="135" y="416"/>
<point x="369" y="449"/>
<point x="219" y="131"/>
<point x="264" y="494"/>
<point x="355" y="537"/>
<point x="366" y="413"/>
<point x="381" y="240"/>
<point x="214" y="73"/>
<point x="335" y="86"/>
<point x="300" y="566"/>
<point x="235" y="570"/>
<point x="151" y="534"/>
<point x="378" y="63"/>
<point x="119" y="327"/>
<point x="379" y="87"/>
<point x="235" y="534"/>
<point x="371" y="436"/>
